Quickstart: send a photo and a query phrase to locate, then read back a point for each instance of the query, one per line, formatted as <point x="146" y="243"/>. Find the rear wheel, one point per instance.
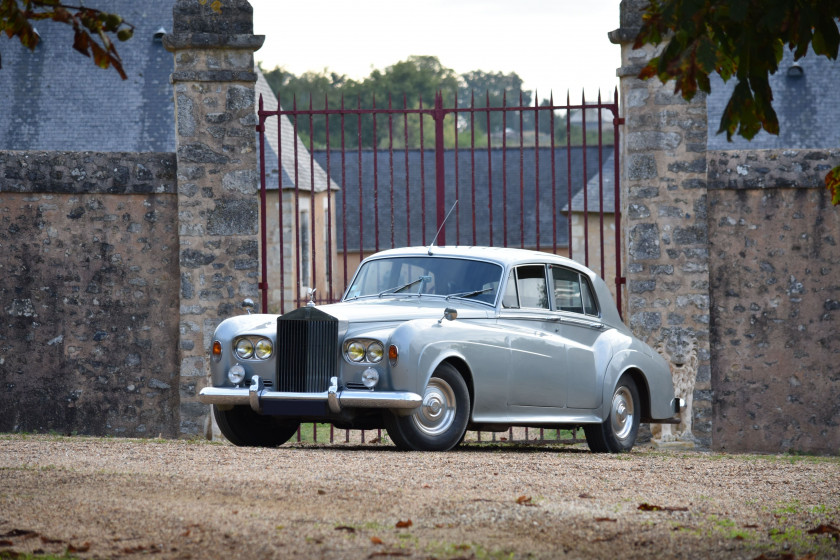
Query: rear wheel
<point x="439" y="424"/>
<point x="617" y="433"/>
<point x="245" y="428"/>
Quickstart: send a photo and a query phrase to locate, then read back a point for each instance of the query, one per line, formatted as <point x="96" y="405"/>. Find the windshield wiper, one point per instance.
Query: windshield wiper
<point x="398" y="289"/>
<point x="465" y="295"/>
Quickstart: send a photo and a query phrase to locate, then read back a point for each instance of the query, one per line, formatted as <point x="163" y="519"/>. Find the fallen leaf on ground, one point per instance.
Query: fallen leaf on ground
<point x="84" y="547"/>
<point x="606" y="519"/>
<point x="47" y="540"/>
<point x="525" y="501"/>
<point x="403" y="524"/>
<point x="826" y="530"/>
<point x="345" y="528"/>
<point x="650" y="507"/>
<point x="585" y="496"/>
<point x="376" y="540"/>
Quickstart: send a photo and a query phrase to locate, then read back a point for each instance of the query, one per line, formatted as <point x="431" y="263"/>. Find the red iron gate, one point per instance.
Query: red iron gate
<point x="543" y="177"/>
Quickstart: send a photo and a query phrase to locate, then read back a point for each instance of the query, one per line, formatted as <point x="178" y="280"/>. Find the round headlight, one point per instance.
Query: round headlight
<point x="375" y="352"/>
<point x="263" y="349"/>
<point x="356" y="351"/>
<point x="244" y="348"/>
<point x="370" y="377"/>
<point x="236" y="374"/>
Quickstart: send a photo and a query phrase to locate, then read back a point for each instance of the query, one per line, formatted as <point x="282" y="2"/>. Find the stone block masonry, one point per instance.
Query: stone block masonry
<point x="88" y="293"/>
<point x="218" y="206"/>
<point x="775" y="295"/>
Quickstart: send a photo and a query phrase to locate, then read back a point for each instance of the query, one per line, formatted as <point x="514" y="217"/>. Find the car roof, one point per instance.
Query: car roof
<point x="505" y="256"/>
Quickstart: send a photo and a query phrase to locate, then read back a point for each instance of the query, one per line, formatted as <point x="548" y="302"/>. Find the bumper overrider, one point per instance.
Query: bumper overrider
<point x="256" y="395"/>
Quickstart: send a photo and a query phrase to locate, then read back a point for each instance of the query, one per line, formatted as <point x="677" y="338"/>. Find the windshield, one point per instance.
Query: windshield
<point x="400" y="276"/>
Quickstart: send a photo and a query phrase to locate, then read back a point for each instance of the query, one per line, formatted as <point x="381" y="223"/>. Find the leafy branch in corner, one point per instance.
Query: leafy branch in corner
<point x="740" y="39"/>
<point x="93" y="29"/>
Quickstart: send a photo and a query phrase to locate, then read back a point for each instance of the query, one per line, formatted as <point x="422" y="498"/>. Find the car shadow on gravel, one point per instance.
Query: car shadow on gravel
<point x="467" y="448"/>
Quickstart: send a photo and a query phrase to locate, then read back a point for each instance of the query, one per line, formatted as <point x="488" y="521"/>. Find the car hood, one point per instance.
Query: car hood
<point x="389" y="309"/>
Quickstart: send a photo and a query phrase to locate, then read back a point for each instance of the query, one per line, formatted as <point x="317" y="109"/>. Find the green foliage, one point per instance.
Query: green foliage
<point x="92" y="28"/>
<point x="413" y="84"/>
<point x="740" y="39"/>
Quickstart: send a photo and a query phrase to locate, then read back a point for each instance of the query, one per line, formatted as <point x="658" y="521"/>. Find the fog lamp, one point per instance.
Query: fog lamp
<point x="370" y="377"/>
<point x="236" y="374"/>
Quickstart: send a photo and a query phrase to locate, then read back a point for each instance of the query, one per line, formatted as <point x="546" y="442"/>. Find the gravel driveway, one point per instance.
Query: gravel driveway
<point x="119" y="498"/>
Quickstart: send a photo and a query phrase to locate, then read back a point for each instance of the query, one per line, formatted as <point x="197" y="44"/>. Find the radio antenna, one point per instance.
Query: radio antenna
<point x="441" y="226"/>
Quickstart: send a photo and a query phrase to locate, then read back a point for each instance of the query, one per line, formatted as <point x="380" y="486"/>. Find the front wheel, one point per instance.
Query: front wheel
<point x="617" y="433"/>
<point x="439" y="424"/>
<point x="245" y="428"/>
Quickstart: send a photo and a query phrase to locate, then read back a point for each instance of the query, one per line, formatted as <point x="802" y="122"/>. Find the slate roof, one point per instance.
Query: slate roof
<point x="807" y="104"/>
<point x="594" y="188"/>
<point x="418" y="219"/>
<point x="56" y="99"/>
<point x="285" y="140"/>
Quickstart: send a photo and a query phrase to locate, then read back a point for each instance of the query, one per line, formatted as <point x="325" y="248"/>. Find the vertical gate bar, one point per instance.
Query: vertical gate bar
<point x="312" y="244"/>
<point x="537" y="162"/>
<point x="440" y="177"/>
<point x="280" y="213"/>
<point x="375" y="181"/>
<point x="314" y="424"/>
<point x="422" y="177"/>
<point x="391" y="165"/>
<point x="585" y="176"/>
<point x="457" y="197"/>
<point x="343" y="196"/>
<point x="472" y="166"/>
<point x="361" y="205"/>
<point x="601" y="179"/>
<point x="263" y="209"/>
<point x="332" y="433"/>
<point x="521" y="175"/>
<point x="297" y="204"/>
<point x="569" y="171"/>
<point x="619" y="277"/>
<point x="407" y="173"/>
<point x="490" y="166"/>
<point x="328" y="257"/>
<point x="504" y="169"/>
<point x="553" y="180"/>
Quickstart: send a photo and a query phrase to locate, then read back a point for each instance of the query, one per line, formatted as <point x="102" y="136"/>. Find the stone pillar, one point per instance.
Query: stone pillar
<point x="218" y="180"/>
<point x="663" y="194"/>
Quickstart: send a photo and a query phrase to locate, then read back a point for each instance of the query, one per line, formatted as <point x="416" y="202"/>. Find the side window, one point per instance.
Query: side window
<point x="510" y="299"/>
<point x="572" y="292"/>
<point x="532" y="286"/>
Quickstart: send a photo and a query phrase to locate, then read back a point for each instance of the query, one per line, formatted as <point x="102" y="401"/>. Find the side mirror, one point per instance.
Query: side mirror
<point x="449" y="314"/>
<point x="248" y="304"/>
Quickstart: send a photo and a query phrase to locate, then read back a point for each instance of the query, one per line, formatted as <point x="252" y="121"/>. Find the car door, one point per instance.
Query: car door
<point x="582" y="329"/>
<point x="537" y="351"/>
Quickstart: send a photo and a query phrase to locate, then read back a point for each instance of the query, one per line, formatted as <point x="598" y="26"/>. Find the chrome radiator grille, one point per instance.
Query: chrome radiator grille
<point x="307" y="350"/>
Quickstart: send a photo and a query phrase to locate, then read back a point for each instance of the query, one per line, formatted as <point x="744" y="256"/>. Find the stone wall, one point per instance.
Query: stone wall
<point x="775" y="292"/>
<point x="218" y="206"/>
<point x="88" y="293"/>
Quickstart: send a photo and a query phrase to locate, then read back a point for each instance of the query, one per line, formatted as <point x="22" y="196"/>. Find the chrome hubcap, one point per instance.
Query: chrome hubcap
<point x="437" y="413"/>
<point x="622" y="413"/>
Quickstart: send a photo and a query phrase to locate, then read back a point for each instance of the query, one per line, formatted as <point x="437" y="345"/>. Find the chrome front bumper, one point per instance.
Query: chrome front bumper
<point x="257" y="394"/>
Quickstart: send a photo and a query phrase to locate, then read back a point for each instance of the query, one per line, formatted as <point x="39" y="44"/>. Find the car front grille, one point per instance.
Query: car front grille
<point x="307" y="350"/>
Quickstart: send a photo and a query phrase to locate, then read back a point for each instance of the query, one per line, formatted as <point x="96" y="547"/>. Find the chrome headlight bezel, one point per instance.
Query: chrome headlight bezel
<point x="363" y="350"/>
<point x="253" y="347"/>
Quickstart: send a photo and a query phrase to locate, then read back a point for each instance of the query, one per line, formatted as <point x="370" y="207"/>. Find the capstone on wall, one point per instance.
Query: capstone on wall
<point x="775" y="295"/>
<point x="88" y="293"/>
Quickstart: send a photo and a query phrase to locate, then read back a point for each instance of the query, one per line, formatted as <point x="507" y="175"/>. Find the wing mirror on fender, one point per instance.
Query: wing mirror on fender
<point x="248" y="304"/>
<point x="449" y="314"/>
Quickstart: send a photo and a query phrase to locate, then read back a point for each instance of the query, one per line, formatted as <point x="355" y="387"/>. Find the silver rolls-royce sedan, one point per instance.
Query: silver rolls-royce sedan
<point x="429" y="342"/>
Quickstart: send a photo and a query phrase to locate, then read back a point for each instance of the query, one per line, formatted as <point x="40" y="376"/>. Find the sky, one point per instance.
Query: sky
<point x="553" y="45"/>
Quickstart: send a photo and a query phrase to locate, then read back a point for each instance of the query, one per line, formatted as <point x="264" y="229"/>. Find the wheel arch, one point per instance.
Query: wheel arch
<point x="644" y="391"/>
<point x="464" y="369"/>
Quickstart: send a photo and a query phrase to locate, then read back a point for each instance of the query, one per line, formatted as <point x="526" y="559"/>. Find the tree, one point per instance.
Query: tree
<point x="741" y="39"/>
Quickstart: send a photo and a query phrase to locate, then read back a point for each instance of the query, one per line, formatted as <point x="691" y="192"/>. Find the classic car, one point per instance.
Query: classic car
<point x="429" y="342"/>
